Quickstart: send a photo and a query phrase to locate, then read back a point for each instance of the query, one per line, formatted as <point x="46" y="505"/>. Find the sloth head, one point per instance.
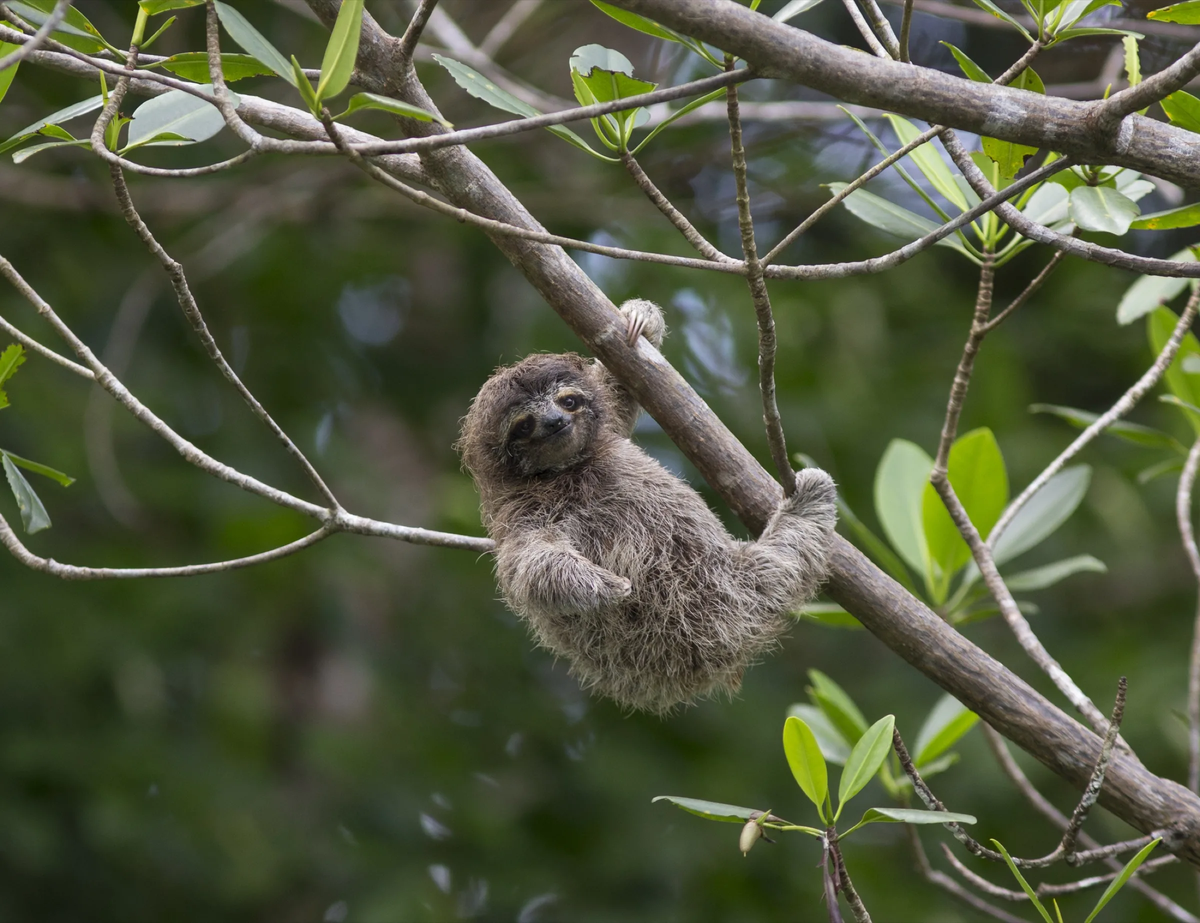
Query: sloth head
<point x="536" y="418"/>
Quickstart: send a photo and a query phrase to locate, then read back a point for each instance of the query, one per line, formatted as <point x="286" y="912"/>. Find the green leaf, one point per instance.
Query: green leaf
<point x="481" y="88"/>
<point x="361" y="101"/>
<point x="979" y="478"/>
<point x="1130" y="432"/>
<point x="254" y="42"/>
<point x="1099" y="208"/>
<point x="972" y="70"/>
<point x="900" y="483"/>
<point x="1046" y="510"/>
<point x="1160" y="323"/>
<point x="1169" y="466"/>
<point x="44" y="470"/>
<point x="830" y="614"/>
<point x="713" y="810"/>
<point x="11" y="359"/>
<point x="807" y="764"/>
<point x="1041" y="577"/>
<point x="33" y="513"/>
<point x="1008" y="155"/>
<point x="837" y="705"/>
<point x="1022" y="882"/>
<point x="1000" y="14"/>
<point x="1096" y="30"/>
<point x="834" y="746"/>
<point x="306" y="90"/>
<point x="7" y="75"/>
<point x="865" y="759"/>
<point x="1048" y="206"/>
<point x="1133" y="64"/>
<point x="1076" y="10"/>
<point x="75" y="31"/>
<point x="910" y="816"/>
<point x="1150" y="292"/>
<point x="641" y="23"/>
<point x="83" y="107"/>
<point x="891" y="218"/>
<point x="947" y="722"/>
<point x="154" y="7"/>
<point x="193" y="65"/>
<point x="794" y="8"/>
<point x="928" y="161"/>
<point x="1183" y="109"/>
<point x="1132" y="865"/>
<point x="1185" y="216"/>
<point x="601" y="75"/>
<point x="25" y="153"/>
<point x="1187" y="13"/>
<point x="175" y="113"/>
<point x="341" y="51"/>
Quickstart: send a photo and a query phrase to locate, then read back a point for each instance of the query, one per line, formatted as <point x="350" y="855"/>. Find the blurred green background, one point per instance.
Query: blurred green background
<point x="363" y="732"/>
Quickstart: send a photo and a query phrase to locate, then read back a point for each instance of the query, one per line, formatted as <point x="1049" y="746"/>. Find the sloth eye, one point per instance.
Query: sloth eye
<point x="523" y="429"/>
<point x="570" y="402"/>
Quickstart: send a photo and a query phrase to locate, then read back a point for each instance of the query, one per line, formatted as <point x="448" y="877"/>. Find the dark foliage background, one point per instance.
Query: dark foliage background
<point x="362" y="732"/>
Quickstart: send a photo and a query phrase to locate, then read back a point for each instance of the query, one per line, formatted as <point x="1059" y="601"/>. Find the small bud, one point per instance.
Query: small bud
<point x="751" y="833"/>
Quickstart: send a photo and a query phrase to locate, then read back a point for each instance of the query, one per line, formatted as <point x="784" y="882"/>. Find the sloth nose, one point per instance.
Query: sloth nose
<point x="553" y="422"/>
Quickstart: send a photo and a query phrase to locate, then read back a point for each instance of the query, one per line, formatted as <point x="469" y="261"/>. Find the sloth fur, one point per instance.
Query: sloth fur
<point x="615" y="563"/>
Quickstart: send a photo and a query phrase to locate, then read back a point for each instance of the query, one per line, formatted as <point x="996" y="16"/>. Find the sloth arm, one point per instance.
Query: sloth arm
<point x="540" y="568"/>
<point x="637" y="312"/>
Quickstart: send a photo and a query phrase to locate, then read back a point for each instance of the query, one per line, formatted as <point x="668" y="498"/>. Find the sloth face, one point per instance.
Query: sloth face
<point x="551" y="431"/>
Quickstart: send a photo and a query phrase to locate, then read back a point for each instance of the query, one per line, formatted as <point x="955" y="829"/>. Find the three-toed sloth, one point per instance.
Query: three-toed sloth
<point x="617" y="564"/>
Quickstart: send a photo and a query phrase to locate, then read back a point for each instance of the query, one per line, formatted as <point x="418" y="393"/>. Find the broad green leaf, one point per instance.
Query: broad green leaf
<point x="972" y="70"/>
<point x="154" y="7"/>
<point x="307" y="93"/>
<point x="1076" y="10"/>
<point x="7" y="75"/>
<point x="1046" y="510"/>
<point x="26" y="152"/>
<point x="1187" y="13"/>
<point x="837" y="705"/>
<point x="1041" y="577"/>
<point x="891" y="218"/>
<point x="1160" y="323"/>
<point x="254" y="42"/>
<point x="1150" y="292"/>
<point x="830" y="614"/>
<point x="587" y="58"/>
<point x="1022" y="882"/>
<point x="176" y="113"/>
<point x="833" y="745"/>
<point x="37" y="468"/>
<point x="1185" y="216"/>
<point x="1183" y="109"/>
<point x="1130" y="432"/>
<point x="911" y="816"/>
<point x="928" y="161"/>
<point x="1132" y="865"/>
<point x="807" y="764"/>
<point x="193" y="65"/>
<point x="83" y="107"/>
<point x="361" y="101"/>
<point x="481" y="88"/>
<point x="713" y="810"/>
<point x="947" y="722"/>
<point x="1048" y="206"/>
<point x="341" y="51"/>
<point x="1000" y="14"/>
<point x="1099" y="208"/>
<point x="794" y="8"/>
<point x="900" y="483"/>
<point x="865" y="759"/>
<point x="75" y="31"/>
<point x="979" y="478"/>
<point x="11" y="359"/>
<point x="601" y="75"/>
<point x="33" y="513"/>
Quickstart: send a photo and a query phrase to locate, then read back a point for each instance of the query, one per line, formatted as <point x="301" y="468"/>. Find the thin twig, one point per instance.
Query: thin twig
<point x="946" y="883"/>
<point x="767" y="344"/>
<point x="1027" y="293"/>
<point x="1123" y="405"/>
<point x="44" y="351"/>
<point x="674" y="215"/>
<point x="507" y="25"/>
<point x="1110" y="112"/>
<point x="865" y="30"/>
<point x="882" y="28"/>
<point x="1092" y="792"/>
<point x="1183" y="514"/>
<point x="905" y="27"/>
<point x="191" y="310"/>
<point x="412" y="35"/>
<point x="847" y="886"/>
<point x="38" y="38"/>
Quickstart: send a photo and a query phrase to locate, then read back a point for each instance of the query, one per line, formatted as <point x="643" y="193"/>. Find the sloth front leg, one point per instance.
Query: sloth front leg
<point x="789" y="560"/>
<point x="541" y="571"/>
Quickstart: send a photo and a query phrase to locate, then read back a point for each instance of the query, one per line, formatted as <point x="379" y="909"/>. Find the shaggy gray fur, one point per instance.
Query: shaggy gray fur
<point x="617" y="564"/>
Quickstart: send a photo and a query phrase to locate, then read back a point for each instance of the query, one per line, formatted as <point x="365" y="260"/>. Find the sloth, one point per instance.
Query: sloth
<point x="615" y="563"/>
